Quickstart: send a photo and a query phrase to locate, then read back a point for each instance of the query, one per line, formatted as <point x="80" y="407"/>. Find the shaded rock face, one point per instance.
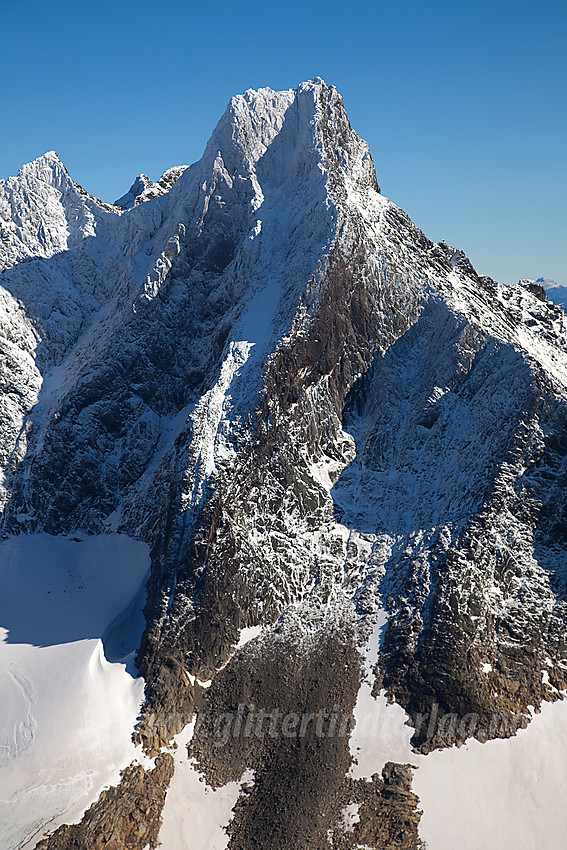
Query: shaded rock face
<point x="310" y="413"/>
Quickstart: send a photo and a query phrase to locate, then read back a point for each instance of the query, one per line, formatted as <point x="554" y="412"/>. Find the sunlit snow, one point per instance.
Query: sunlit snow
<point x="195" y="815"/>
<point x="67" y="711"/>
<point x="478" y="796"/>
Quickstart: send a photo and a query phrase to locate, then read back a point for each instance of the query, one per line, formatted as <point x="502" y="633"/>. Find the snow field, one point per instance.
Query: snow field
<point x="67" y="712"/>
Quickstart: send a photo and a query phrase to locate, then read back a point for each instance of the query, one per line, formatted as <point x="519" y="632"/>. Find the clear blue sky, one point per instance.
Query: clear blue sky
<point x="464" y="105"/>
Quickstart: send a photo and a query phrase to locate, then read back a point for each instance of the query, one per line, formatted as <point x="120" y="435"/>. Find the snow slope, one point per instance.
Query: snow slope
<point x="505" y="793"/>
<point x="68" y="712"/>
<point x="194" y="813"/>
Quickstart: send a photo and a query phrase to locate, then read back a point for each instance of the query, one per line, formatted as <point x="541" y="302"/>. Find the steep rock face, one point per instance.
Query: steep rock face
<point x="311" y="413"/>
<point x="386" y="813"/>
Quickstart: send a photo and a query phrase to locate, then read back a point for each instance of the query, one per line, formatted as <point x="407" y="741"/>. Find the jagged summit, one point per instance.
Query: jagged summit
<point x="304" y="120"/>
<point x="47" y="169"/>
<point x="143" y="189"/>
<point x="42" y="211"/>
<point x="50" y="160"/>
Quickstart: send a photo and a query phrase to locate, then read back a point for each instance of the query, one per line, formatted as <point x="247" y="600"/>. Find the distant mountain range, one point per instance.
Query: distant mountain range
<point x="556" y="292"/>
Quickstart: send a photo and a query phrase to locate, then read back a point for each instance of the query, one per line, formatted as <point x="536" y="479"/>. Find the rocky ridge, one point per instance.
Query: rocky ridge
<point x="143" y="189"/>
<point x="126" y="816"/>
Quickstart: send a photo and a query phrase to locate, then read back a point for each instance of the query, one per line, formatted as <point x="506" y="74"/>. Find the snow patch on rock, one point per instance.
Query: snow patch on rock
<point x="195" y="815"/>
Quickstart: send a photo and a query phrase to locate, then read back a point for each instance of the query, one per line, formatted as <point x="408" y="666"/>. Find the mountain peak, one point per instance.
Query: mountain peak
<point x="309" y="123"/>
<point x="48" y="168"/>
<point x="143" y="189"/>
<point x="48" y="157"/>
<point x="48" y="212"/>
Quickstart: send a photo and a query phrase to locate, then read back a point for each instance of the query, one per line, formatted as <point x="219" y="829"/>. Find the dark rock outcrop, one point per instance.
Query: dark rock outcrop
<point x="127" y="817"/>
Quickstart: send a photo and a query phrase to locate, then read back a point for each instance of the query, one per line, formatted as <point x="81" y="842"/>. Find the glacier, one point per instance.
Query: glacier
<point x="71" y="619"/>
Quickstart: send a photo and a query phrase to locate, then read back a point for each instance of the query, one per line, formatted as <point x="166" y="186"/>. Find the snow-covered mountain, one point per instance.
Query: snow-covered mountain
<point x="556" y="292"/>
<point x="345" y="452"/>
